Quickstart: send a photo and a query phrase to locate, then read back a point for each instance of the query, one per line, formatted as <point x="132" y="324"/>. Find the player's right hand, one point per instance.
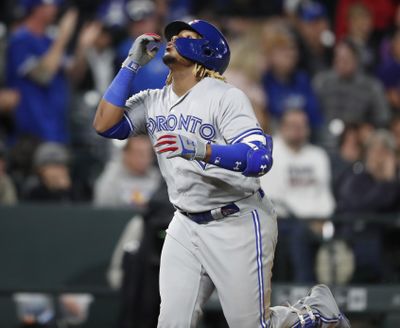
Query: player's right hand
<point x="142" y="51"/>
<point x="177" y="145"/>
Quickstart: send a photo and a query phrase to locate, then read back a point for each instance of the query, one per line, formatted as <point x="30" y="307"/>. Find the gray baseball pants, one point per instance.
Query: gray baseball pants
<point x="233" y="255"/>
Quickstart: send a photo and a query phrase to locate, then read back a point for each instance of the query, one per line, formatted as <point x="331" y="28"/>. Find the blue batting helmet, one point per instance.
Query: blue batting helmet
<point x="212" y="50"/>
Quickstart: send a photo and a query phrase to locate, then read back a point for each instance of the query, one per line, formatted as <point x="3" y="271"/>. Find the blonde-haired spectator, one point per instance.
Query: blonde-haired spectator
<point x="245" y="71"/>
<point x="286" y="86"/>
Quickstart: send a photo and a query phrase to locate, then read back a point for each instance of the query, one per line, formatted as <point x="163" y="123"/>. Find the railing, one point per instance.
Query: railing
<point x="55" y="249"/>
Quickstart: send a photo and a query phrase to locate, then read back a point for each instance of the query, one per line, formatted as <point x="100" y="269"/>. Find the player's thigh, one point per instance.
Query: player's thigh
<point x="246" y="299"/>
<point x="184" y="286"/>
<point x="240" y="267"/>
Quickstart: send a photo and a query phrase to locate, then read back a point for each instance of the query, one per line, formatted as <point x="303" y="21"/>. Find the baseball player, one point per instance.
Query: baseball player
<point x="211" y="151"/>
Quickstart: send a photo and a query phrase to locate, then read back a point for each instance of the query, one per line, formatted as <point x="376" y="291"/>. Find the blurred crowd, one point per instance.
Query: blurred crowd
<point x="323" y="78"/>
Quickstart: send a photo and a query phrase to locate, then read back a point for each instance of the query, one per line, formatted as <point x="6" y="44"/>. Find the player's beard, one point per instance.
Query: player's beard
<point x="174" y="59"/>
<point x="169" y="59"/>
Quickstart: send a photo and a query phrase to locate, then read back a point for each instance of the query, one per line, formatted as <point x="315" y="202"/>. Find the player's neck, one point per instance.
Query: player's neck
<point x="182" y="81"/>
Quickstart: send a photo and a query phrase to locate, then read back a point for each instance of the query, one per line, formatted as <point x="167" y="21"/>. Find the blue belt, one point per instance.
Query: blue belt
<point x="215" y="214"/>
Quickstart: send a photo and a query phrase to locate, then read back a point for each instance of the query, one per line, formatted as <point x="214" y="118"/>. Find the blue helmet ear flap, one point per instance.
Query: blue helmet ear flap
<point x="197" y="50"/>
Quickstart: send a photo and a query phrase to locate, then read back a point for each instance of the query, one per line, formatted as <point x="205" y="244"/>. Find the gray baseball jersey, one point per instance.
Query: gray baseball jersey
<point x="235" y="254"/>
<point x="214" y="111"/>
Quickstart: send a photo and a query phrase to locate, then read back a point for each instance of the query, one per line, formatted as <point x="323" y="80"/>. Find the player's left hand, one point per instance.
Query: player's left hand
<point x="177" y="145"/>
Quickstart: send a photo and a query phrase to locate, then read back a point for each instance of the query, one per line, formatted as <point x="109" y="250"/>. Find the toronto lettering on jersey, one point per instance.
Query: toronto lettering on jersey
<point x="188" y="123"/>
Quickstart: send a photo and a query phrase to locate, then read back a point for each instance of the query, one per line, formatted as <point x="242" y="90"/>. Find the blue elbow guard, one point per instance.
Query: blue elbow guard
<point x="259" y="159"/>
<point x="253" y="158"/>
<point x="259" y="162"/>
<point x="120" y="131"/>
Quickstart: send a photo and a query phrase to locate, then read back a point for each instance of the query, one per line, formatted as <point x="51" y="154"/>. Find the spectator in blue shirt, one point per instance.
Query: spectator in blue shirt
<point x="37" y="66"/>
<point x="287" y="87"/>
<point x="143" y="19"/>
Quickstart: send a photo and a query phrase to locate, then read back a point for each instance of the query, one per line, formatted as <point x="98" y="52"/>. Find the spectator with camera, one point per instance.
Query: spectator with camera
<point x="371" y="187"/>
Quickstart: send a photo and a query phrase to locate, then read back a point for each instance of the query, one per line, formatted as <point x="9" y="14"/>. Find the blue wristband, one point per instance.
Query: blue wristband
<point x="119" y="89"/>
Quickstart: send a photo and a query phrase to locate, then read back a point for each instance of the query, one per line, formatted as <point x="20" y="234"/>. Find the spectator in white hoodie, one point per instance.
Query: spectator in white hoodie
<point x="299" y="185"/>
